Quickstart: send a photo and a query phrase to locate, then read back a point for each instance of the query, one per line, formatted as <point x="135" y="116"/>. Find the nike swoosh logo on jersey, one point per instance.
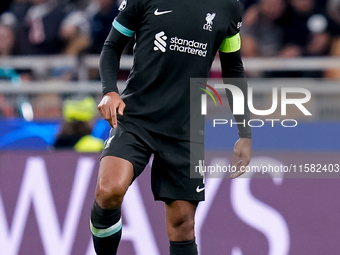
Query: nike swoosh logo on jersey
<point x="161" y="13"/>
<point x="198" y="189"/>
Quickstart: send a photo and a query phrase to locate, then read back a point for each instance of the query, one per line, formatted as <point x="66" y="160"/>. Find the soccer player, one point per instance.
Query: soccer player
<point x="175" y="41"/>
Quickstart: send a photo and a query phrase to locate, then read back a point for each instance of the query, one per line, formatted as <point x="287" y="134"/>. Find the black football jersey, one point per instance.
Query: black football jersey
<point x="175" y="41"/>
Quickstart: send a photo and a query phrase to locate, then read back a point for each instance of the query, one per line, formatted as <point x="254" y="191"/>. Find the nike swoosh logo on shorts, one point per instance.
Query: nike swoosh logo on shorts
<point x="198" y="189"/>
<point x="109" y="141"/>
<point x="161" y="13"/>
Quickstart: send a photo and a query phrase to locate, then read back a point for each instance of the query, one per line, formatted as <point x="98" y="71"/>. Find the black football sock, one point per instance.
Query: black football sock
<point x="183" y="247"/>
<point x="106" y="228"/>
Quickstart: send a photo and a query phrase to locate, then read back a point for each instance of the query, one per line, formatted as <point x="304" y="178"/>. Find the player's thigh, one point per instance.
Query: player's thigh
<point x="114" y="177"/>
<point x="124" y="157"/>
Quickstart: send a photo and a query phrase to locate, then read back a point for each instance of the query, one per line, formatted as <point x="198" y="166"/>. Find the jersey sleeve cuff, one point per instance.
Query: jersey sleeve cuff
<point x="105" y="91"/>
<point x="245" y="135"/>
<point x="125" y="31"/>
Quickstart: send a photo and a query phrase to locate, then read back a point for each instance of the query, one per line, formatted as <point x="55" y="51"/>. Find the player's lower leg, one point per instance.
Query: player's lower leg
<point x="106" y="228"/>
<point x="106" y="224"/>
<point x="180" y="227"/>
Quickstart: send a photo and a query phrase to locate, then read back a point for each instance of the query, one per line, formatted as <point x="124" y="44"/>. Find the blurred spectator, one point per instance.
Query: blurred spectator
<point x="333" y="8"/>
<point x="272" y="29"/>
<point x="8" y="42"/>
<point x="75" y="32"/>
<point x="6" y="110"/>
<point x="309" y="30"/>
<point x="263" y="29"/>
<point x="101" y="23"/>
<point x="76" y="130"/>
<point x="19" y="9"/>
<point x="309" y="34"/>
<point x="103" y="14"/>
<point x="39" y="32"/>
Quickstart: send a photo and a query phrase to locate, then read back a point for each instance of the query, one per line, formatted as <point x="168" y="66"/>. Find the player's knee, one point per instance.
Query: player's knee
<point x="182" y="227"/>
<point x="183" y="222"/>
<point x="110" y="197"/>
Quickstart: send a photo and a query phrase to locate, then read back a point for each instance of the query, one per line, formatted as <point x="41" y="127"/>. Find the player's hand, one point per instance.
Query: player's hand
<point x="241" y="158"/>
<point x="108" y="107"/>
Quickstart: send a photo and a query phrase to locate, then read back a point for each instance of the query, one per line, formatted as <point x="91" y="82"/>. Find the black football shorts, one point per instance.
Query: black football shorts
<point x="173" y="160"/>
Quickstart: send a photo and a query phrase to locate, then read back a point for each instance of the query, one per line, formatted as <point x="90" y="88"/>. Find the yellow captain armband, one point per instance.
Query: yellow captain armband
<point x="231" y="44"/>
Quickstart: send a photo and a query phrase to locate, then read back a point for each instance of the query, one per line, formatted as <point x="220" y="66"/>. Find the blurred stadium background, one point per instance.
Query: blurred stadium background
<point x="49" y="55"/>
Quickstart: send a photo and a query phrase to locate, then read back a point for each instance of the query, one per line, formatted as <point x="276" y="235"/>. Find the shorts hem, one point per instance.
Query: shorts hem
<point x="167" y="198"/>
